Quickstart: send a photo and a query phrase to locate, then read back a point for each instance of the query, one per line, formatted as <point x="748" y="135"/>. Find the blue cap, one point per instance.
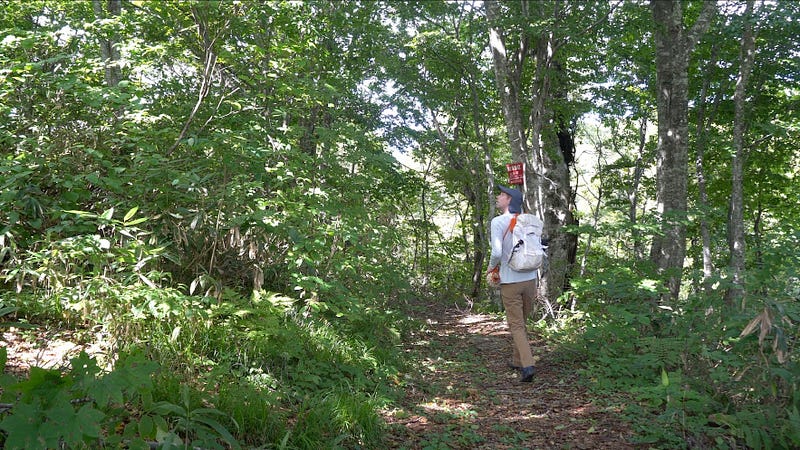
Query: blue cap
<point x="515" y="206"/>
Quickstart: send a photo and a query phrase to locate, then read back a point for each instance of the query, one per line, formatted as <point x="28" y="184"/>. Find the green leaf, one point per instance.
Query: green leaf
<point x="168" y="408"/>
<point x="46" y="384"/>
<point x="221" y="430"/>
<point x="136" y="221"/>
<point x="22" y="427"/>
<point x="664" y="378"/>
<point x="88" y="421"/>
<point x="7" y="309"/>
<point x="199" y="412"/>
<point x="130" y="214"/>
<point x="107" y="390"/>
<point x="147" y="428"/>
<point x="80" y="213"/>
<point x="63" y="424"/>
<point x="107" y="214"/>
<point x="138" y="444"/>
<point x="84" y="366"/>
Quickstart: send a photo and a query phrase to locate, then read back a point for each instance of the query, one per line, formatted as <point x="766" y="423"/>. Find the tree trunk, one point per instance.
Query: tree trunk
<point x="508" y="82"/>
<point x="480" y="225"/>
<point x="758" y="239"/>
<point x="673" y="47"/>
<point x="700" y="138"/>
<point x="109" y="50"/>
<point x="633" y="192"/>
<point x="736" y="225"/>
<point x="556" y="206"/>
<point x="595" y="211"/>
<point x="546" y="144"/>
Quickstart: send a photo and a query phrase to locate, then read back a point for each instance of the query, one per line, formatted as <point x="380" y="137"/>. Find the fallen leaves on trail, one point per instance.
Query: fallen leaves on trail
<point x="464" y="395"/>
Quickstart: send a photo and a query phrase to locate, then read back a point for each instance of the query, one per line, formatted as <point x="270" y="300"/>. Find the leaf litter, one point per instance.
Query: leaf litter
<point x="464" y="395"/>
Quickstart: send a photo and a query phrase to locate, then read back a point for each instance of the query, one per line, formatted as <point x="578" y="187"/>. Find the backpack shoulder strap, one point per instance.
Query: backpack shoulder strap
<point x="511" y="226"/>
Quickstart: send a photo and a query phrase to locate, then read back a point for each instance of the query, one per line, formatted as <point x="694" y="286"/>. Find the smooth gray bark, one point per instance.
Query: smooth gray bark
<point x="674" y="45"/>
<point x="736" y="224"/>
<point x="109" y="48"/>
<point x="534" y="140"/>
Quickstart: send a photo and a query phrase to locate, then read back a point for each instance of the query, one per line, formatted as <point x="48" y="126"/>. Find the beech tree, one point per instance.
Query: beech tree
<point x="109" y="46"/>
<point x="536" y="88"/>
<point x="736" y="223"/>
<point x="674" y="45"/>
<point x="532" y="138"/>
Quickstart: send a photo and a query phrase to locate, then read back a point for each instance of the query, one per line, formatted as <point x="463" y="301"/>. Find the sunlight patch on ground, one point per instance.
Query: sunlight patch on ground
<point x="474" y="318"/>
<point x="456" y="408"/>
<point x="581" y="410"/>
<point x="38" y="348"/>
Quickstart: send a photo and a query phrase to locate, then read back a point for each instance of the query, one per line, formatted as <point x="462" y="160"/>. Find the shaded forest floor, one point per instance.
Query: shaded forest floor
<point x="464" y="396"/>
<point x="461" y="395"/>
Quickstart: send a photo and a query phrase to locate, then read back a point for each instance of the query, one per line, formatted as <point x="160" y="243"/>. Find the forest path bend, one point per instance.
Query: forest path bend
<point x="463" y="395"/>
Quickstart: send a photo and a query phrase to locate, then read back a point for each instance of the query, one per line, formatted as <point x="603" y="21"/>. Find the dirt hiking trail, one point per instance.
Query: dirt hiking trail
<point x="464" y="395"/>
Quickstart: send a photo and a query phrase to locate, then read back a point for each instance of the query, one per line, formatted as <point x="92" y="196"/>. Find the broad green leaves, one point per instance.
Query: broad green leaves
<point x="75" y="409"/>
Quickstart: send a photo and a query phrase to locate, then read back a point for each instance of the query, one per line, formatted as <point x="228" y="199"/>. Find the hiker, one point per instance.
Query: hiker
<point x="517" y="289"/>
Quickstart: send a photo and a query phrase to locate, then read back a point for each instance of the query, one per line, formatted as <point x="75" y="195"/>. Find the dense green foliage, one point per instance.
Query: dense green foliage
<point x="221" y="211"/>
<point x="253" y="255"/>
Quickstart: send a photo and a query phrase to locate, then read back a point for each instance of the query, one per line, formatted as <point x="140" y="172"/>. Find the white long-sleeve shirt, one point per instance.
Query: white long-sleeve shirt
<point x="501" y="251"/>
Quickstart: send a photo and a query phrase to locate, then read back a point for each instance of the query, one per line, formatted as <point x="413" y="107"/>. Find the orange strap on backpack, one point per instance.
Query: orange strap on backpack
<point x="511" y="226"/>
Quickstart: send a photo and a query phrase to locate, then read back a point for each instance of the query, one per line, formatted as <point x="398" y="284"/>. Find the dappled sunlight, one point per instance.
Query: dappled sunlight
<point x="449" y="406"/>
<point x="271" y="224"/>
<point x="475" y="318"/>
<point x="580" y="410"/>
<point x="463" y="394"/>
<point x="48" y="349"/>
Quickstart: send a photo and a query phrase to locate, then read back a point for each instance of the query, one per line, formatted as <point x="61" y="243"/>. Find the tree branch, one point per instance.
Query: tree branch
<point x="701" y="25"/>
<point x="205" y="86"/>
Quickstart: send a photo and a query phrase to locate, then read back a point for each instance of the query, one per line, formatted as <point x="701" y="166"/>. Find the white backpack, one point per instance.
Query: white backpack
<point x="527" y="253"/>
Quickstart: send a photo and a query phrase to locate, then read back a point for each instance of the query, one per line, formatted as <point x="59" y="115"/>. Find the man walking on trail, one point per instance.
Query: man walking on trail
<point x="517" y="289"/>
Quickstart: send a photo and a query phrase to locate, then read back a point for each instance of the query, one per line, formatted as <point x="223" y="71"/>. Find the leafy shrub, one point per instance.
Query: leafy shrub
<point x="706" y="376"/>
<point x="272" y="346"/>
<point x="89" y="407"/>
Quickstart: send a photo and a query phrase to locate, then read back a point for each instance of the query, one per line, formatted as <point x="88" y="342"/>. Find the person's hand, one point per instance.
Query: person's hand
<point x="493" y="277"/>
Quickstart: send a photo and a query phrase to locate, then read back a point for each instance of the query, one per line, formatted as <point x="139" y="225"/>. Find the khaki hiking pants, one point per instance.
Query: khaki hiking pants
<point x="518" y="301"/>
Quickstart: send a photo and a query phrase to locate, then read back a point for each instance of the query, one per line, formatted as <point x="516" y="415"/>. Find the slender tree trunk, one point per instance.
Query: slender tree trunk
<point x="109" y="48"/>
<point x="480" y="225"/>
<point x="427" y="241"/>
<point x="758" y="239"/>
<point x="452" y="156"/>
<point x="633" y="193"/>
<point x="673" y="47"/>
<point x="595" y="211"/>
<point x="736" y="225"/>
<point x="209" y="67"/>
<point x="700" y="137"/>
